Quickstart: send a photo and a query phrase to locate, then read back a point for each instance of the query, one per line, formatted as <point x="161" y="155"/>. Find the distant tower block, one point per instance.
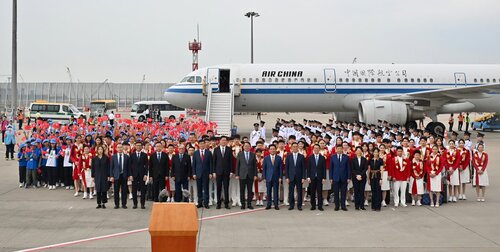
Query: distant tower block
<point x="195" y="47"/>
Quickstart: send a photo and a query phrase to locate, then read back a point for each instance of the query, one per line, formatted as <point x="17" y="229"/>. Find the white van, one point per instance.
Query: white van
<point x="55" y="111"/>
<point x="147" y="109"/>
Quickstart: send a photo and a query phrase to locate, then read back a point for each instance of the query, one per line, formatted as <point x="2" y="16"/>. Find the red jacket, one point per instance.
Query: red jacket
<point x="400" y="172"/>
<point x="452" y="159"/>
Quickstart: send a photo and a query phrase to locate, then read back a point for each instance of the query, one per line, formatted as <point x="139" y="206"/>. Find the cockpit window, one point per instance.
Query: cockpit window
<point x="198" y="79"/>
<point x="188" y="79"/>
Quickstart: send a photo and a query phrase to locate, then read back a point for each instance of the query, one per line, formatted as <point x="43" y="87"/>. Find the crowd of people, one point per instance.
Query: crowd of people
<point x="339" y="162"/>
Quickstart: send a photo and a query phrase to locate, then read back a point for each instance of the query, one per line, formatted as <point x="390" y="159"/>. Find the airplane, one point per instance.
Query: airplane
<point x="397" y="93"/>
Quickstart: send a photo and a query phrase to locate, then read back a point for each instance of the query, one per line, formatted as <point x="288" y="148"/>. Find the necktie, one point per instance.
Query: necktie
<point x="202" y="154"/>
<point x="316" y="157"/>
<point x="295" y="159"/>
<point x="340" y="157"/>
<point x="272" y="160"/>
<point x="223" y="150"/>
<point x="180" y="156"/>
<point x="120" y="162"/>
<point x="138" y="155"/>
<point x="158" y="155"/>
<point x="246" y="156"/>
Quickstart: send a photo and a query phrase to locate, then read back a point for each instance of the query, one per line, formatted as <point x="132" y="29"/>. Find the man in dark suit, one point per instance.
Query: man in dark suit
<point x="316" y="176"/>
<point x="202" y="172"/>
<point x="158" y="170"/>
<point x="120" y="174"/>
<point x="246" y="173"/>
<point x="272" y="173"/>
<point x="295" y="175"/>
<point x="180" y="172"/>
<point x="139" y="171"/>
<point x="340" y="173"/>
<point x="359" y="166"/>
<point x="223" y="161"/>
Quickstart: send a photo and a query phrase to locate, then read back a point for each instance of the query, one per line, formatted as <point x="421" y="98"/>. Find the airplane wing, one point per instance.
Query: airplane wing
<point x="470" y="92"/>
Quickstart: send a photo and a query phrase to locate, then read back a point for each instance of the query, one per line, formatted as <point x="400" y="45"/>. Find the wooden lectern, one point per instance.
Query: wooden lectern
<point x="173" y="227"/>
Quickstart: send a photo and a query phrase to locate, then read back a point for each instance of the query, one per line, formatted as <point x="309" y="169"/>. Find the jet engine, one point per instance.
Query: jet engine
<point x="370" y="111"/>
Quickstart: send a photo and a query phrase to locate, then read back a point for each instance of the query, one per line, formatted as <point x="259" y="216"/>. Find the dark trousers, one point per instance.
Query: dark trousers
<point x="22" y="174"/>
<point x="20" y="122"/>
<point x="295" y="183"/>
<point x="9" y="149"/>
<point x="179" y="186"/>
<point x="273" y="186"/>
<point x="359" y="192"/>
<point x="376" y="193"/>
<point x="223" y="183"/>
<point x="316" y="191"/>
<point x="121" y="182"/>
<point x="460" y="125"/>
<point x="3" y="136"/>
<point x="202" y="186"/>
<point x="102" y="198"/>
<point x="467" y="127"/>
<point x="339" y="189"/>
<point x="139" y="184"/>
<point x="68" y="176"/>
<point x="247" y="184"/>
<point x="52" y="174"/>
<point x="158" y="185"/>
<point x="60" y="171"/>
<point x="31" y="178"/>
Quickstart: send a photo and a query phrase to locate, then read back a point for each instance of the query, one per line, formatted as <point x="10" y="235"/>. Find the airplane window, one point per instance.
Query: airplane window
<point x="315" y="80"/>
<point x="198" y="79"/>
<point x="488" y="80"/>
<point x="276" y="80"/>
<point x="244" y="80"/>
<point x="295" y="80"/>
<point x="475" y="80"/>
<point x="482" y="80"/>
<point x="494" y="80"/>
<point x="406" y="79"/>
<point x="399" y="80"/>
<point x="289" y="80"/>
<point x="302" y="80"/>
<point x="340" y="80"/>
<point x="237" y="79"/>
<point x="256" y="79"/>
<point x="282" y="79"/>
<point x="360" y="80"/>
<point x="431" y="80"/>
<point x="388" y="80"/>
<point x="308" y="79"/>
<point x="412" y="80"/>
<point x="425" y="80"/>
<point x="250" y="80"/>
<point x="353" y="80"/>
<point x="270" y="80"/>
<point x="373" y="80"/>
<point x="418" y="79"/>
<point x="366" y="79"/>
<point x="378" y="80"/>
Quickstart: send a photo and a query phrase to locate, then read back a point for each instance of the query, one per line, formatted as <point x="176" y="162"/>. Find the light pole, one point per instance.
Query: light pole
<point x="14" y="57"/>
<point x="251" y="15"/>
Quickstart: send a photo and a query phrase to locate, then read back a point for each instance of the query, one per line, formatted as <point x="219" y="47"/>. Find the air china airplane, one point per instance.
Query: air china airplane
<point x="399" y="93"/>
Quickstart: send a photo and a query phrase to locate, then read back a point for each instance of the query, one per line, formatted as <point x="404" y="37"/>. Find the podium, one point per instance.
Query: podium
<point x="173" y="227"/>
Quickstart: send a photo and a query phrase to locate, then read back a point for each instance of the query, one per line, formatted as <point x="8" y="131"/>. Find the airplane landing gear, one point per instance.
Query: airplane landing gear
<point x="436" y="127"/>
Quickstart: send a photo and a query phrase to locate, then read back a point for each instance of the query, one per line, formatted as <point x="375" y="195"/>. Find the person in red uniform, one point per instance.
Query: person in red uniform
<point x="463" y="168"/>
<point x="417" y="179"/>
<point x="452" y="161"/>
<point x="400" y="174"/>
<point x="434" y="168"/>
<point x="86" y="171"/>
<point x="480" y="179"/>
<point x="75" y="154"/>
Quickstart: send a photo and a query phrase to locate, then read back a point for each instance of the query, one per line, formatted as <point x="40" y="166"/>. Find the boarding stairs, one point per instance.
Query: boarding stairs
<point x="220" y="109"/>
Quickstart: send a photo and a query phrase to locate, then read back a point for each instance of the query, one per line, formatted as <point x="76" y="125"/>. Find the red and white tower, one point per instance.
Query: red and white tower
<point x="195" y="47"/>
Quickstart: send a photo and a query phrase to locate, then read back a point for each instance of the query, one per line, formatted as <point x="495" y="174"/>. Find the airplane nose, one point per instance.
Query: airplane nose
<point x="172" y="97"/>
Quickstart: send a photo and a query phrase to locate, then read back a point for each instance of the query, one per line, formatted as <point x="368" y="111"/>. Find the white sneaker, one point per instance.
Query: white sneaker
<point x="71" y="187"/>
<point x="384" y="204"/>
<point x="93" y="193"/>
<point x="287" y="204"/>
<point x="482" y="200"/>
<point x="76" y="194"/>
<point x="84" y="195"/>
<point x="478" y="199"/>
<point x="91" y="196"/>
<point x="347" y="203"/>
<point x="67" y="187"/>
<point x="460" y="197"/>
<point x="432" y="205"/>
<point x="437" y="205"/>
<point x="450" y="198"/>
<point x="21" y="185"/>
<point x="107" y="195"/>
<point x="366" y="202"/>
<point x="403" y="205"/>
<point x="419" y="203"/>
<point x="234" y="203"/>
<point x="454" y="198"/>
<point x="464" y="197"/>
<point x="412" y="202"/>
<point x="238" y="203"/>
<point x="396" y="205"/>
<point x="130" y="196"/>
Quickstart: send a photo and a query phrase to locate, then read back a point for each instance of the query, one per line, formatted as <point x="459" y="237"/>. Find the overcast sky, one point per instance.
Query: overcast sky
<point x="121" y="39"/>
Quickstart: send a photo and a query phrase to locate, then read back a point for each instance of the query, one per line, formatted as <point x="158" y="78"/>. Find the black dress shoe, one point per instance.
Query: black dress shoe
<point x="336" y="209"/>
<point x="357" y="208"/>
<point x="207" y="207"/>
<point x="268" y="207"/>
<point x="103" y="206"/>
<point x="344" y="209"/>
<point x="98" y="206"/>
<point x="199" y="206"/>
<point x="290" y="208"/>
<point x="250" y="207"/>
<point x="277" y="207"/>
<point x="143" y="207"/>
<point x="321" y="209"/>
<point x="134" y="207"/>
<point x="300" y="208"/>
<point x="363" y="208"/>
<point x="218" y="207"/>
<point x="124" y="207"/>
<point x="227" y="207"/>
<point x="242" y="207"/>
<point x="116" y="207"/>
<point x="313" y="208"/>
